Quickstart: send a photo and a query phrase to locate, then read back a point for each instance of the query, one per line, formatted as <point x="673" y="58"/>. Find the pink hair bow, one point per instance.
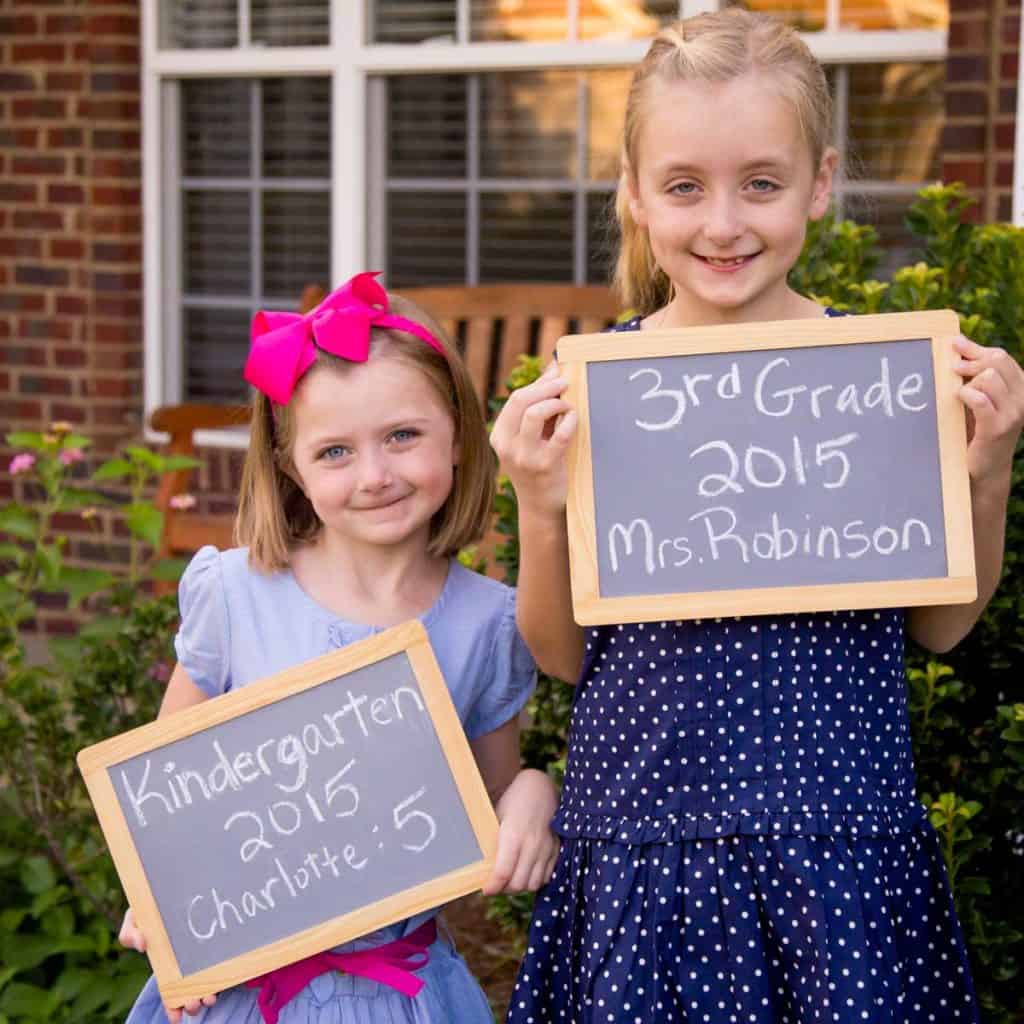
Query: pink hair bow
<point x="283" y="345"/>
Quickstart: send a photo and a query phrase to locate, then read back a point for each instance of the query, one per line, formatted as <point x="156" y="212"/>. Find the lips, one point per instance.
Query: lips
<point x="726" y="263"/>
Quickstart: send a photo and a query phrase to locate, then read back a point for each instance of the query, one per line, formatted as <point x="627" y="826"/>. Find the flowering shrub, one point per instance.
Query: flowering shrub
<point x="62" y="901"/>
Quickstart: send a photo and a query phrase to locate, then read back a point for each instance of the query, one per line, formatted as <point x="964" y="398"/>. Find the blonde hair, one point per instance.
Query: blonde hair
<point x="273" y="512"/>
<point x="714" y="47"/>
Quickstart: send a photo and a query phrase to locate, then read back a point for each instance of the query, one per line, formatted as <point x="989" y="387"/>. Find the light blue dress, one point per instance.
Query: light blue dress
<point x="237" y="626"/>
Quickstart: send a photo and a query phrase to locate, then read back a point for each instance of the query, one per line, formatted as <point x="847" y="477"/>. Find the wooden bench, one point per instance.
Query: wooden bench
<point x="492" y="325"/>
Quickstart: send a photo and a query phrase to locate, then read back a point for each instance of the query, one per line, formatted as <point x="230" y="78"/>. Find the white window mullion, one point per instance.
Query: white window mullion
<point x="462" y="22"/>
<point x="377" y="170"/>
<point x="244" y="23"/>
<point x="348" y="139"/>
<point x="171" y="259"/>
<point x="256" y="194"/>
<point x="580" y="230"/>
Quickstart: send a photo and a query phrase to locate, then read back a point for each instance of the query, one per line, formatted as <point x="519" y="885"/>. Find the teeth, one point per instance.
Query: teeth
<point x="735" y="261"/>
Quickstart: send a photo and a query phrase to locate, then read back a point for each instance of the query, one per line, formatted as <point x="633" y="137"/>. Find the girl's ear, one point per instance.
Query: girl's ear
<point x="821" y="194"/>
<point x="636" y="206"/>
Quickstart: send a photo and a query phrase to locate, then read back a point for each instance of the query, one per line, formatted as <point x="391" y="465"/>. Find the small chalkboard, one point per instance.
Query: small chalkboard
<point x="293" y="814"/>
<point x="794" y="466"/>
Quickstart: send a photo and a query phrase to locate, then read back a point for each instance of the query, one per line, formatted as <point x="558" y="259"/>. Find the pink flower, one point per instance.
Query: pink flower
<point x="71" y="455"/>
<point x="160" y="671"/>
<point x="21" y="463"/>
<point x="183" y="501"/>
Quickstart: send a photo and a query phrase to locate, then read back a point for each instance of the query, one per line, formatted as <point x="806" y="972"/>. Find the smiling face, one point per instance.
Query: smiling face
<point x="724" y="185"/>
<point x="374" y="450"/>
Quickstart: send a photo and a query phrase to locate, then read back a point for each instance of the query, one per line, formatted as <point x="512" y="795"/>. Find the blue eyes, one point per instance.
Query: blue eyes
<point x="336" y="452"/>
<point x="763" y="186"/>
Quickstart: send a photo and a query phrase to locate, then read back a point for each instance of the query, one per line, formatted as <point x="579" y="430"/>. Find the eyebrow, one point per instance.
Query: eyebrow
<point x="758" y="163"/>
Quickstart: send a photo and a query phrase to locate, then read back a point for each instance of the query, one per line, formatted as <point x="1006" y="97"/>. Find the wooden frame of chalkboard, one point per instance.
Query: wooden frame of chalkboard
<point x="579" y="353"/>
<point x="96" y="764"/>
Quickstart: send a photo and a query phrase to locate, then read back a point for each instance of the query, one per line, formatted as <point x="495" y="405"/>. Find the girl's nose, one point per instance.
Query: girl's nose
<point x="723" y="225"/>
<point x="374" y="471"/>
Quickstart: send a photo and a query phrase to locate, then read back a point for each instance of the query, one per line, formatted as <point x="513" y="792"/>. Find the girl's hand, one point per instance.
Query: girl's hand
<point x="131" y="937"/>
<point x="993" y="392"/>
<point x="531" y="435"/>
<point x="527" y="848"/>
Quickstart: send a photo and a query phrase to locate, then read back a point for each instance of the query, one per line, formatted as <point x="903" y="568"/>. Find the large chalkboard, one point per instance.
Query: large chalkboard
<point x="293" y="814"/>
<point x="793" y="466"/>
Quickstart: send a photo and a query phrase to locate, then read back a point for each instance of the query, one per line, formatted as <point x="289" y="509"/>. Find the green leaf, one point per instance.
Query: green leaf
<point x="50" y="562"/>
<point x="81" y="583"/>
<point x="21" y="1000"/>
<point x="18" y="521"/>
<point x="168" y="569"/>
<point x="102" y="628"/>
<point x="26" y="439"/>
<point x="144" y="457"/>
<point x="73" y="497"/>
<point x="170" y="463"/>
<point x="93" y="996"/>
<point x="113" y="469"/>
<point x="12" y="552"/>
<point x="37" y="875"/>
<point x="145" y="522"/>
<point x="75" y="441"/>
<point x="71" y="981"/>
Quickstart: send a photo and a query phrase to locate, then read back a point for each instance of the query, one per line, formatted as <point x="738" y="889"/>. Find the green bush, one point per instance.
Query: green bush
<point x="59" y="960"/>
<point x="967" y="711"/>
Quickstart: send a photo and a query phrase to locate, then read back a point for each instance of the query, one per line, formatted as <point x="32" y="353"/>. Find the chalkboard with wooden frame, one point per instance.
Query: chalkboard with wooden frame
<point x="793" y="466"/>
<point x="293" y="814"/>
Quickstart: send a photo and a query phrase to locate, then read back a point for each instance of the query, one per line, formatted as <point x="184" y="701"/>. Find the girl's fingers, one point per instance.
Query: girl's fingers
<point x="509" y="422"/>
<point x="538" y="416"/>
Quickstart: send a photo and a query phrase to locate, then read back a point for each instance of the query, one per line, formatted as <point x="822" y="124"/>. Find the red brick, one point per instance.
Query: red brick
<point x="114" y="81"/>
<point x="116" y="138"/>
<point x="1008" y="65"/>
<point x="111" y="387"/>
<point x="20" y="409"/>
<point x="71" y="413"/>
<point x="107" y="281"/>
<point x="64" y="81"/>
<point x="966" y="69"/>
<point x="116" y="167"/>
<point x="68" y="136"/>
<point x="108" y="333"/>
<point x="1005" y="139"/>
<point x="118" y="305"/>
<point x="58" y="192"/>
<point x="966" y="103"/>
<point x="117" y="252"/>
<point x="17" y="192"/>
<point x="118" y="359"/>
<point x="50" y="277"/>
<point x="13" y="81"/>
<point x="1004" y="174"/>
<point x="114" y="109"/>
<point x="37" y="384"/>
<point x="119" y="222"/>
<point x="43" y="52"/>
<point x="63" y="24"/>
<point x="1010" y="35"/>
<point x="38" y="108"/>
<point x="18" y="25"/>
<point x="48" y="329"/>
<point x="20" y="246"/>
<point x="23" y="355"/>
<point x="60" y="627"/>
<point x="111" y="195"/>
<point x="38" y="220"/>
<point x="72" y="305"/>
<point x="1008" y="100"/>
<point x="5" y="381"/>
<point x="21" y="302"/>
<point x="36" y="165"/>
<point x="963" y="138"/>
<point x="22" y="138"/>
<point x="125" y="54"/>
<point x="70" y="357"/>
<point x="968" y="34"/>
<point x="67" y="248"/>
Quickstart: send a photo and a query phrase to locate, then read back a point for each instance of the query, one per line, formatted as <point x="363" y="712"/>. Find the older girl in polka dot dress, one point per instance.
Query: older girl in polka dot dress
<point x="741" y="837"/>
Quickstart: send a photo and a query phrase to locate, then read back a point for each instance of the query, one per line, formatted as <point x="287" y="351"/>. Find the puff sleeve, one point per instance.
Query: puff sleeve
<point x="510" y="675"/>
<point x="203" y="642"/>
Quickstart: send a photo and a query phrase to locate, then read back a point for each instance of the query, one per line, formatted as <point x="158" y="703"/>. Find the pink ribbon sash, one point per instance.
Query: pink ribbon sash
<point x="391" y="964"/>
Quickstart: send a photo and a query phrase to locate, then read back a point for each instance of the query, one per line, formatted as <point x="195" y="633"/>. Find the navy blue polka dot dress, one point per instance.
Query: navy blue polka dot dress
<point x="741" y="840"/>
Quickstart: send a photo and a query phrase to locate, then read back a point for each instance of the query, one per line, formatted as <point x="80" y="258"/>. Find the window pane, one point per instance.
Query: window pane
<point x="216" y="242"/>
<point x="805" y="15"/>
<point x="602" y="237"/>
<point x="198" y="24"/>
<point x="427" y="126"/>
<point x="296" y="243"/>
<point x="884" y="14"/>
<point x="216" y="346"/>
<point x="215" y="128"/>
<point x="426" y="238"/>
<point x="529" y="20"/>
<point x="528" y="124"/>
<point x="289" y="23"/>
<point x="413" y="21"/>
<point x="526" y="236"/>
<point x="607" y="94"/>
<point x="896" y="114"/>
<point x="297" y="128"/>
<point x="626" y="19"/>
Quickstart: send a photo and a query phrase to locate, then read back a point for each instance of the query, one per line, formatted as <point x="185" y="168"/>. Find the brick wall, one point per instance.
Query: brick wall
<point x="70" y="237"/>
<point x="981" y="102"/>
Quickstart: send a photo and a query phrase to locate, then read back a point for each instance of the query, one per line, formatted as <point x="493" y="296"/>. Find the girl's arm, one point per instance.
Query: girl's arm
<point x="180" y="693"/>
<point x="531" y="435"/>
<point x="525" y="802"/>
<point x="994" y="395"/>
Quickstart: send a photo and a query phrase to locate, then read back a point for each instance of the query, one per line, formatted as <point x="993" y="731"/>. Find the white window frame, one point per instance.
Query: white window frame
<point x="349" y="62"/>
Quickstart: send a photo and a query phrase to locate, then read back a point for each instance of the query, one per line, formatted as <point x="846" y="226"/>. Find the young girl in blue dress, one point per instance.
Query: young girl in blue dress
<point x="368" y="468"/>
<point x="741" y="841"/>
